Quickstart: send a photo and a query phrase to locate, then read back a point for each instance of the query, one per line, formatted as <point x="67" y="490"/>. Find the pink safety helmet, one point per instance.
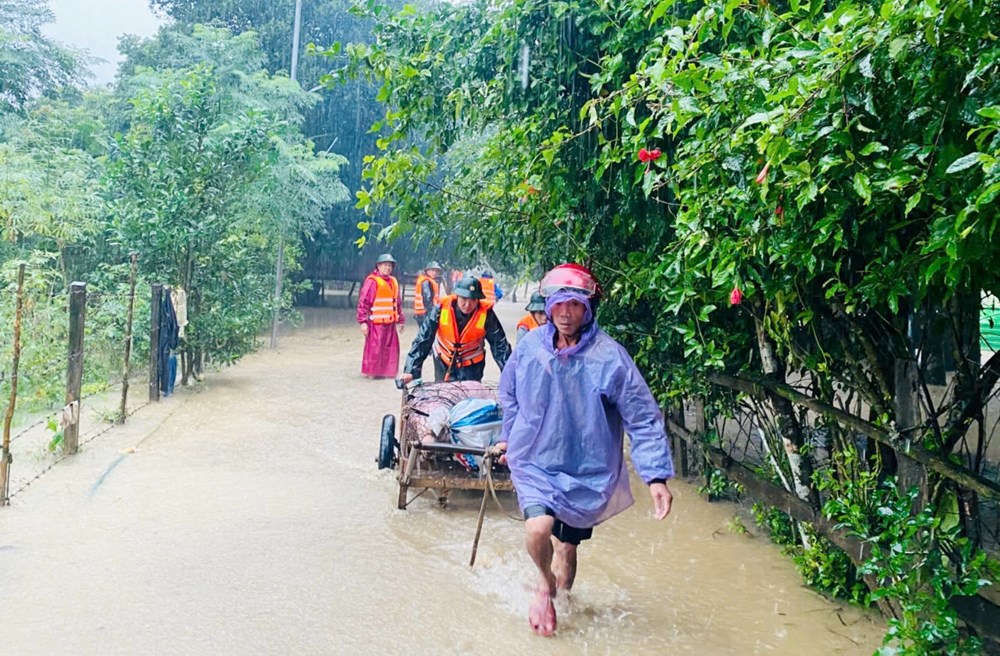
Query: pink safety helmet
<point x="572" y="277"/>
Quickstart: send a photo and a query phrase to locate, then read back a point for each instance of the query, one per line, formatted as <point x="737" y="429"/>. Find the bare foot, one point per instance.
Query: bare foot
<point x="542" y="613"/>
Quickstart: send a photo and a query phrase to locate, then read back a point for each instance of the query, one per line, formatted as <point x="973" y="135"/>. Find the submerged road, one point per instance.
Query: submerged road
<point x="246" y="516"/>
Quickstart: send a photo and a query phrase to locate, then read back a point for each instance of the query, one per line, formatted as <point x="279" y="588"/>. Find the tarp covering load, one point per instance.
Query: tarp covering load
<point x="431" y="406"/>
<point x="475" y="422"/>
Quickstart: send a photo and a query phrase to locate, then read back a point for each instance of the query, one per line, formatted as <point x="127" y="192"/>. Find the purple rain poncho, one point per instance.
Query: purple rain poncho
<point x="564" y="417"/>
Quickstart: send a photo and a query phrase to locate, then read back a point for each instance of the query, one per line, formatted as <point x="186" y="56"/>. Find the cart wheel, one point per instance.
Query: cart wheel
<point x="387" y="443"/>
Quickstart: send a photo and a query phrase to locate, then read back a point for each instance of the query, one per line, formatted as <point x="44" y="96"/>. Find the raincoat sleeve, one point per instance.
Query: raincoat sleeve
<point x="427" y="293"/>
<point x="422" y="343"/>
<point x="507" y="396"/>
<point x="365" y="299"/>
<point x="643" y="421"/>
<point x="497" y="338"/>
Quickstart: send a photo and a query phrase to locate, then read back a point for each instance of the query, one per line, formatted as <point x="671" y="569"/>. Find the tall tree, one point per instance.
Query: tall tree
<point x="339" y="123"/>
<point x="210" y="168"/>
<point x="30" y="63"/>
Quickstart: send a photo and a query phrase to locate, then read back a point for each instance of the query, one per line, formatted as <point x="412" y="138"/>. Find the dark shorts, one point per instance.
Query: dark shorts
<point x="562" y="532"/>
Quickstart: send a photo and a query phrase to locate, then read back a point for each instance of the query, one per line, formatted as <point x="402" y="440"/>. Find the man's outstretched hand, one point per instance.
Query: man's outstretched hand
<point x="662" y="499"/>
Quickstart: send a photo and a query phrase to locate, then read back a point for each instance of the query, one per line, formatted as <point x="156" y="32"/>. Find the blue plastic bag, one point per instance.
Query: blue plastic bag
<point x="475" y="422"/>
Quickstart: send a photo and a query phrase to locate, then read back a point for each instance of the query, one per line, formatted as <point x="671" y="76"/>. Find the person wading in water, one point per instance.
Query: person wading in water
<point x="569" y="392"/>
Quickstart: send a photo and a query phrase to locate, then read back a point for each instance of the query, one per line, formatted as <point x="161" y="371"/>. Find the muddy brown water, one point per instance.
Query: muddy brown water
<point x="246" y="516"/>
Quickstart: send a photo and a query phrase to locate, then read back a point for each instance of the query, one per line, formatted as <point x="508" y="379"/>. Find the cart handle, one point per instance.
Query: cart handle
<point x="442" y="447"/>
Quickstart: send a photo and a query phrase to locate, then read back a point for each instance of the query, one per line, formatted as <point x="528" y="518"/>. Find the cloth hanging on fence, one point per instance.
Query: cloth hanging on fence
<point x="169" y="331"/>
<point x="179" y="298"/>
<point x="69" y="415"/>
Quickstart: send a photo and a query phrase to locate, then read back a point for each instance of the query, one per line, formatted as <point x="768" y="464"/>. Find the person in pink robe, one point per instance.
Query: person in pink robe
<point x="381" y="354"/>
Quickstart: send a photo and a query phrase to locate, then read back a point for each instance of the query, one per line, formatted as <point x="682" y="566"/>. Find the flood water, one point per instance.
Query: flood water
<point x="247" y="516"/>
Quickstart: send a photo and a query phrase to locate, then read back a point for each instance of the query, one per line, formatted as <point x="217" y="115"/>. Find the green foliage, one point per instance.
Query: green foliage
<point x="777" y="524"/>
<point x="338" y="123"/>
<point x="209" y="172"/>
<point x="736" y="526"/>
<point x="825" y="568"/>
<point x="30" y="63"/>
<point x="49" y="178"/>
<point x="919" y="559"/>
<point x="718" y="486"/>
<point x="837" y="162"/>
<point x="56" y="440"/>
<point x="44" y="330"/>
<point x="197" y="164"/>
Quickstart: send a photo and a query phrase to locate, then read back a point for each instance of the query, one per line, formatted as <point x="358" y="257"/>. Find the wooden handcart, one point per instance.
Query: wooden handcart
<point x="425" y="466"/>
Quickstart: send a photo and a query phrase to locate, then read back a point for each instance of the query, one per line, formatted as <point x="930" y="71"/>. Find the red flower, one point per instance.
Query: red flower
<point x="780" y="211"/>
<point x="531" y="190"/>
<point x="763" y="174"/>
<point x="647" y="156"/>
<point x="735" y="296"/>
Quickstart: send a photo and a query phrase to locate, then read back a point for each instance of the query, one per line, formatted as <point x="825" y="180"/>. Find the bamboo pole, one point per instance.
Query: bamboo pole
<point x="128" y="339"/>
<point x="5" y="458"/>
<point x="279" y="267"/>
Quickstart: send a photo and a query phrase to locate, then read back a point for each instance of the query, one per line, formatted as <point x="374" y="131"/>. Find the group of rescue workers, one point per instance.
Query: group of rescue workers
<point x="568" y="392"/>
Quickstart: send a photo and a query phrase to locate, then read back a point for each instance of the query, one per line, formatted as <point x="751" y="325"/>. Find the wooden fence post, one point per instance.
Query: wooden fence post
<point x="700" y="429"/>
<point x="5" y="458"/>
<point x="74" y="369"/>
<point x="154" y="341"/>
<point x="907" y="401"/>
<point x="678" y="445"/>
<point x="128" y="340"/>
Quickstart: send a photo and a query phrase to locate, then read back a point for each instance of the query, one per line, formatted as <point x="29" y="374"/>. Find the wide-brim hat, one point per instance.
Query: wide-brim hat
<point x="385" y="257"/>
<point x="536" y="304"/>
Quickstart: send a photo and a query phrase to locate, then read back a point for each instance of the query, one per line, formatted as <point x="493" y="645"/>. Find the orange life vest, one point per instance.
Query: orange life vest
<point x="418" y="298"/>
<point x="489" y="290"/>
<point x="385" y="307"/>
<point x="528" y="322"/>
<point x="466" y="349"/>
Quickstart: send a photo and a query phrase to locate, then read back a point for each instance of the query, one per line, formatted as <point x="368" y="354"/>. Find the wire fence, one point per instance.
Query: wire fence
<point x="751" y="436"/>
<point x="67" y="364"/>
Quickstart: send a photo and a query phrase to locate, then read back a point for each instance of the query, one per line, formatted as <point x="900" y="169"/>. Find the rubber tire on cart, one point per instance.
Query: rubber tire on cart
<point x="387" y="443"/>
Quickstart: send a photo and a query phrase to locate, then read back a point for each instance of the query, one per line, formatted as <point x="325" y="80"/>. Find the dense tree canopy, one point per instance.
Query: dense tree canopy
<point x="338" y="123"/>
<point x="212" y="167"/>
<point x="195" y="162"/>
<point x="30" y="63"/>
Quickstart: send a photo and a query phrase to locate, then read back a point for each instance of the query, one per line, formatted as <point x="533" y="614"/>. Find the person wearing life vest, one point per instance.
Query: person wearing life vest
<point x="380" y="317"/>
<point x="453" y="278"/>
<point x="456" y="333"/>
<point x="427" y="294"/>
<point x="491" y="290"/>
<point x="535" y="317"/>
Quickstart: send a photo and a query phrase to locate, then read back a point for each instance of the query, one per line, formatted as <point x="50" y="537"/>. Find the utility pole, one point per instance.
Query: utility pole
<point x="280" y="265"/>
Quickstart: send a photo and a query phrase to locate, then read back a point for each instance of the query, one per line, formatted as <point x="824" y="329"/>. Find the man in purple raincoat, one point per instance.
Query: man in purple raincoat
<point x="569" y="392"/>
